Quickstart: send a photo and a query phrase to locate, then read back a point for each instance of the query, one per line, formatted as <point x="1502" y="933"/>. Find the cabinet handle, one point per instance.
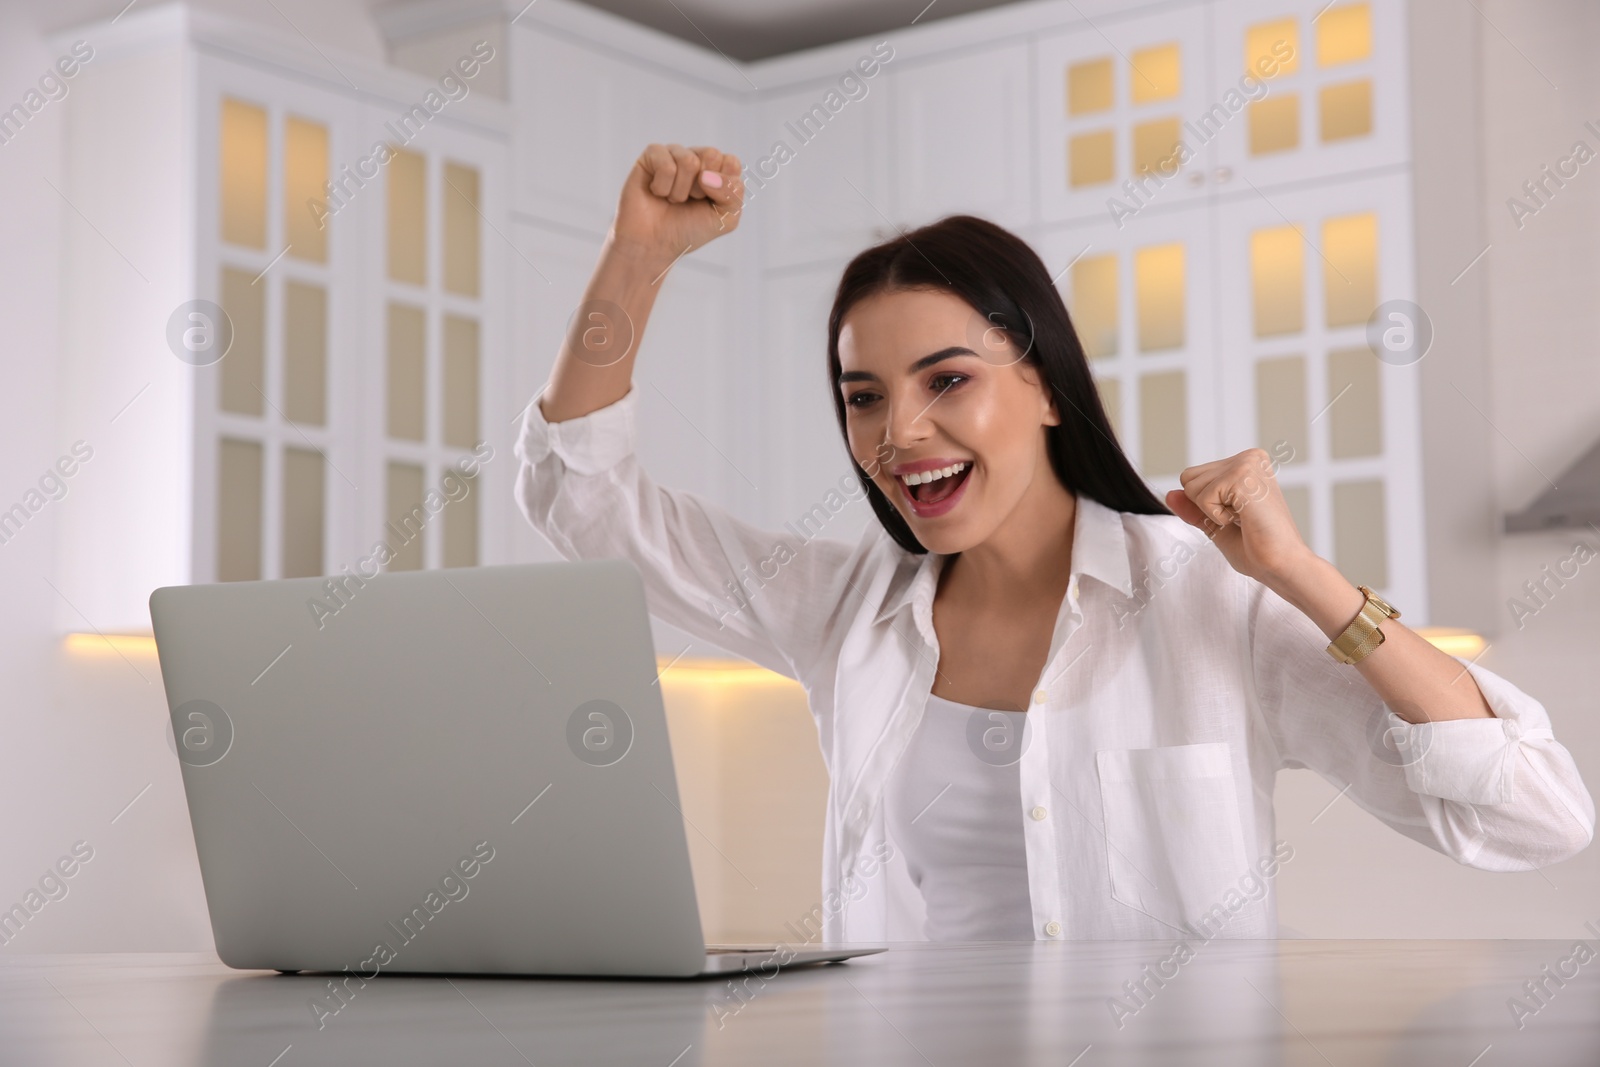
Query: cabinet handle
<point x="1224" y="174"/>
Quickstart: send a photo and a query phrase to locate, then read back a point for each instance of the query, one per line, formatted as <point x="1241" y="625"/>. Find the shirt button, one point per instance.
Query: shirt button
<point x="1038" y="814"/>
<point x="1038" y="696"/>
<point x="1052" y="929"/>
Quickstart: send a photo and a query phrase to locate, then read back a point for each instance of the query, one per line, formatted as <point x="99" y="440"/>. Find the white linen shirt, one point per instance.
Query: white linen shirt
<point x="1173" y="691"/>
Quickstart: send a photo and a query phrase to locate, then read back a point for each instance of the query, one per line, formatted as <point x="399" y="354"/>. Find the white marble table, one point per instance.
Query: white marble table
<point x="1232" y="1003"/>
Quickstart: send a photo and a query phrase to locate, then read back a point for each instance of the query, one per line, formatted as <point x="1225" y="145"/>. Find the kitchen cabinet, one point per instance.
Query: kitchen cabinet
<point x="300" y="337"/>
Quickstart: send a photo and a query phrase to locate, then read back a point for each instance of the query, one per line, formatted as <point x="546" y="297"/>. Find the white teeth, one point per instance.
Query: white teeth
<point x="933" y="476"/>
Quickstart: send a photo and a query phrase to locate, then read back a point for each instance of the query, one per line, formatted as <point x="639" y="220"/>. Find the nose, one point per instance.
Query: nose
<point x="907" y="423"/>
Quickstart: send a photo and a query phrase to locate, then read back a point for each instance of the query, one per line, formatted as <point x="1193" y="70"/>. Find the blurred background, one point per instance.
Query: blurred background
<point x="269" y="269"/>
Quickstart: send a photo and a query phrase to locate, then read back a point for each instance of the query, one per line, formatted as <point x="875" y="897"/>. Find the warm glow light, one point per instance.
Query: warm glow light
<point x="1455" y="642"/>
<point x="718" y="672"/>
<point x="112" y="644"/>
<point x="684" y="670"/>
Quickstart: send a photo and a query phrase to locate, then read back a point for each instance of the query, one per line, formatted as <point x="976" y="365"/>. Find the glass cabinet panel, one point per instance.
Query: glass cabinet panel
<point x="1281" y="405"/>
<point x="1272" y="49"/>
<point x="239" y="511"/>
<point x="407" y="516"/>
<point x="1095" y="309"/>
<point x="1344" y="34"/>
<point x="408" y="218"/>
<point x="302" y="513"/>
<point x="1345" y="110"/>
<point x="243" y="152"/>
<point x="1359" y="532"/>
<point x="1091" y="158"/>
<point x="1277" y="279"/>
<point x="305" y="353"/>
<point x="1159" y="296"/>
<point x="1350" y="282"/>
<point x="460" y="381"/>
<point x="305" y="172"/>
<point x="1111" y="400"/>
<point x="1164" y="421"/>
<point x="461" y="229"/>
<point x="1155" y="147"/>
<point x="1156" y="74"/>
<point x="461" y="525"/>
<point x="1355" y="416"/>
<point x="242" y="367"/>
<point x="1089" y="86"/>
<point x="1275" y="124"/>
<point x="408" y="352"/>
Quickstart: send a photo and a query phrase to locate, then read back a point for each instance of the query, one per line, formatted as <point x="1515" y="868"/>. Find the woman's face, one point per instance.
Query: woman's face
<point x="927" y="386"/>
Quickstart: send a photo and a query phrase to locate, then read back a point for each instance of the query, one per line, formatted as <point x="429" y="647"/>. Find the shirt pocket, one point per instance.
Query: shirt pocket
<point x="1173" y="835"/>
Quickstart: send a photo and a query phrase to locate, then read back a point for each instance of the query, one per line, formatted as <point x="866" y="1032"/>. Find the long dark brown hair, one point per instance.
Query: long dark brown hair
<point x="1006" y="282"/>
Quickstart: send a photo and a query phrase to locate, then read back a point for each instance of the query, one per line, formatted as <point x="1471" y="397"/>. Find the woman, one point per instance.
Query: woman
<point x="1048" y="707"/>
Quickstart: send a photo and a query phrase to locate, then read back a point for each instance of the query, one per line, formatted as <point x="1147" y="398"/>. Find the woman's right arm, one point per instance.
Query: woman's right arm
<point x="764" y="595"/>
<point x="674" y="200"/>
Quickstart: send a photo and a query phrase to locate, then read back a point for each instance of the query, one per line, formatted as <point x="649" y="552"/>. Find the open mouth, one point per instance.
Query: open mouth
<point x="935" y="492"/>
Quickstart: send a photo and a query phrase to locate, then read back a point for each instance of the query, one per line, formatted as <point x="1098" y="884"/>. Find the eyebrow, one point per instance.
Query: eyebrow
<point x="921" y="364"/>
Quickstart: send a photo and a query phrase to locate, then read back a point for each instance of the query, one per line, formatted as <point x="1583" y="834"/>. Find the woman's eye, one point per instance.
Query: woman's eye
<point x="861" y="399"/>
<point x="948" y="380"/>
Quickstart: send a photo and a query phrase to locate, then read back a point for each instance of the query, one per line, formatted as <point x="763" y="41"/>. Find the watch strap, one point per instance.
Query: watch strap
<point x="1363" y="634"/>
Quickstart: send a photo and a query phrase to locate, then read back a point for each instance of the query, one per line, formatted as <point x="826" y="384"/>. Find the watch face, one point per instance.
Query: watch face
<point x="1384" y="605"/>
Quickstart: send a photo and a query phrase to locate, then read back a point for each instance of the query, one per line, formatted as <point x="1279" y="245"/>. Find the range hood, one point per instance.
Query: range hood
<point x="1574" y="501"/>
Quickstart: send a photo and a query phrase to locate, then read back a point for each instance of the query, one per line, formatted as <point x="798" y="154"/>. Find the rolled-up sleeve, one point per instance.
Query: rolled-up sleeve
<point x="1500" y="794"/>
<point x="770" y="597"/>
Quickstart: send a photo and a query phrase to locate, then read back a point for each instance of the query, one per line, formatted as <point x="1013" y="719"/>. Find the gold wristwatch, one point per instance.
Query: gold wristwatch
<point x="1363" y="634"/>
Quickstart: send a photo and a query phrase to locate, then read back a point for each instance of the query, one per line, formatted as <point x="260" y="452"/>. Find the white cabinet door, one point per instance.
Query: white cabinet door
<point x="819" y="184"/>
<point x="282" y="422"/>
<point x="1300" y="274"/>
<point x="806" y="457"/>
<point x="463" y="210"/>
<point x="565" y="99"/>
<point x="1336" y="101"/>
<point x="548" y="276"/>
<point x="683" y="382"/>
<point x="959" y="130"/>
<point x="1113" y="103"/>
<point x="1143" y="303"/>
<point x="581" y="118"/>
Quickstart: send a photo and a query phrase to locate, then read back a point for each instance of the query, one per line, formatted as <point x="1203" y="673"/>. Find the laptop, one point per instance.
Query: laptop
<point x="446" y="771"/>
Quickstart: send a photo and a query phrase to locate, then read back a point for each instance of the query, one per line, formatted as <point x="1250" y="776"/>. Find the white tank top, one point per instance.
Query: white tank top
<point x="954" y="810"/>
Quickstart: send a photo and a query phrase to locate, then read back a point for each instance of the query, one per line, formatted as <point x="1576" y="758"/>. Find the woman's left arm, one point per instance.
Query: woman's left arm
<point x="1476" y="729"/>
<point x="1419" y="681"/>
<point x="1236" y="501"/>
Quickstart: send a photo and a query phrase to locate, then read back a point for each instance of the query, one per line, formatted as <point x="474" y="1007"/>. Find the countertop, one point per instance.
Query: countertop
<point x="1066" y="1004"/>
